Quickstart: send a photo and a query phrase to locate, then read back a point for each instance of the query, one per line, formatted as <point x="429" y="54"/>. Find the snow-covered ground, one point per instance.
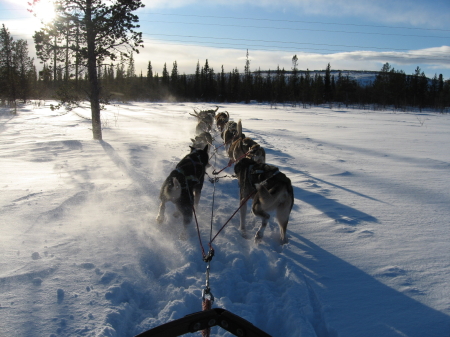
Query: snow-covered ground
<point x="369" y="239"/>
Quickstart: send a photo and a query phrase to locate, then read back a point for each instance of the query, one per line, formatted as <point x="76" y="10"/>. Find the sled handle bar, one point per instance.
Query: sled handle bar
<point x="206" y="319"/>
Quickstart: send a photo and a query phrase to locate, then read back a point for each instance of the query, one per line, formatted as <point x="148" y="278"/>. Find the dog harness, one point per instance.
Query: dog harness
<point x="252" y="173"/>
<point x="253" y="177"/>
<point x="191" y="177"/>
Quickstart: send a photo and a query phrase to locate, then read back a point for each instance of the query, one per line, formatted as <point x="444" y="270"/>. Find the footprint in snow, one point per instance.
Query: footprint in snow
<point x="366" y="234"/>
<point x="390" y="271"/>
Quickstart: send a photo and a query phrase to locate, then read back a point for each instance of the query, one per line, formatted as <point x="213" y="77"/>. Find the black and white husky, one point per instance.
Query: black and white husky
<point x="183" y="186"/>
<point x="272" y="192"/>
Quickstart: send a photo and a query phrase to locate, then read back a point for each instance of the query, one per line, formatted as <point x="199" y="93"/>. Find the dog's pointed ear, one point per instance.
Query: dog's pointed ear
<point x="206" y="148"/>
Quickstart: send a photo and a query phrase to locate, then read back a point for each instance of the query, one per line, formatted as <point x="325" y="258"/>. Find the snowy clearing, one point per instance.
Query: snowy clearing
<point x="369" y="239"/>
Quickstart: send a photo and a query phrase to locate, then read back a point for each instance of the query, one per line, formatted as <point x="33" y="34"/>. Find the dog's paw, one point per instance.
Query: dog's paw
<point x="258" y="237"/>
<point x="183" y="236"/>
<point x="284" y="241"/>
<point x="243" y="233"/>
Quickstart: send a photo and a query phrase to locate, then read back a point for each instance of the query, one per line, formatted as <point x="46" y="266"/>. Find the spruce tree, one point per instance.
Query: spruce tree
<point x="149" y="74"/>
<point x="174" y="79"/>
<point x="165" y="77"/>
<point x="247" y="83"/>
<point x="327" y="84"/>
<point x="197" y="81"/>
<point x="293" y="81"/>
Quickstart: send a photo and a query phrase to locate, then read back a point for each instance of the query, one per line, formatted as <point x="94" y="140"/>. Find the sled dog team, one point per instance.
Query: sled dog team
<point x="269" y="188"/>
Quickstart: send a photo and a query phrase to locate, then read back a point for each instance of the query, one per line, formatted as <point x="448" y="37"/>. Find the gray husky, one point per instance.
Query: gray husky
<point x="245" y="147"/>
<point x="270" y="190"/>
<point x="184" y="184"/>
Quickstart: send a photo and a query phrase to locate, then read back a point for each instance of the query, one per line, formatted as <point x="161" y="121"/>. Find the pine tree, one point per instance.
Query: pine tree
<point x="222" y="86"/>
<point x="258" y="85"/>
<point x="440" y="94"/>
<point x="174" y="79"/>
<point x="24" y="68"/>
<point x="293" y="81"/>
<point x="211" y="85"/>
<point x="280" y="85"/>
<point x="197" y="81"/>
<point x="105" y="30"/>
<point x="318" y="89"/>
<point x="306" y="95"/>
<point x="381" y="84"/>
<point x="149" y="74"/>
<point x="8" y="83"/>
<point x="165" y="77"/>
<point x="48" y="47"/>
<point x="204" y="78"/>
<point x="327" y="84"/>
<point x="131" y="71"/>
<point x="247" y="83"/>
<point x="268" y="91"/>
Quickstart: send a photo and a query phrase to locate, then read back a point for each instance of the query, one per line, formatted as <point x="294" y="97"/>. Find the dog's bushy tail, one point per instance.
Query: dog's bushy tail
<point x="239" y="129"/>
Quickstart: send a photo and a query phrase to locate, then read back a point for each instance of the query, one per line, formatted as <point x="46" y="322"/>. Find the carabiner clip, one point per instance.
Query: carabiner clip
<point x="208" y="257"/>
<point x="207" y="293"/>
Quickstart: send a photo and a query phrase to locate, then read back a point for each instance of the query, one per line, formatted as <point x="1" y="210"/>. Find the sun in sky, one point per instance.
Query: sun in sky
<point x="44" y="10"/>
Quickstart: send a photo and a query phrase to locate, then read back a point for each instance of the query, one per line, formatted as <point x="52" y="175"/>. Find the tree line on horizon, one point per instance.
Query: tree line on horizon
<point x="68" y="82"/>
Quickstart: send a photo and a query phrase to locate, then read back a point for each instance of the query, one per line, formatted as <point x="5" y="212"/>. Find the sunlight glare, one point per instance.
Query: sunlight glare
<point x="45" y="10"/>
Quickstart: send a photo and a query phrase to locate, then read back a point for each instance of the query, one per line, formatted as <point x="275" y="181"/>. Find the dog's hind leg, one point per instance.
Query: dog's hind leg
<point x="242" y="214"/>
<point x="197" y="195"/>
<point x="186" y="211"/>
<point x="258" y="210"/>
<point x="162" y="209"/>
<point x="260" y="233"/>
<point x="283" y="212"/>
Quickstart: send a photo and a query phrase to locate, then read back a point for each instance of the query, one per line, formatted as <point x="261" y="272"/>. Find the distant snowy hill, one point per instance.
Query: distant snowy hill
<point x="363" y="77"/>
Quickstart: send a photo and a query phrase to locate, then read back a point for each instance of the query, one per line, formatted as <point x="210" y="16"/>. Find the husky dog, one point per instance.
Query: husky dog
<point x="184" y="184"/>
<point x="201" y="140"/>
<point x="205" y="120"/>
<point x="201" y="127"/>
<point x="245" y="147"/>
<point x="272" y="191"/>
<point x="229" y="133"/>
<point x="221" y="119"/>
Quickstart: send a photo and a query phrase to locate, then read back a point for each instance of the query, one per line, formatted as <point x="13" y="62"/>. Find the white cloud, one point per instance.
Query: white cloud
<point x="160" y="52"/>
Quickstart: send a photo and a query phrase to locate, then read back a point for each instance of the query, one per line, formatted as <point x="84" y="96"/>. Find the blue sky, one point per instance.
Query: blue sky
<point x="350" y="35"/>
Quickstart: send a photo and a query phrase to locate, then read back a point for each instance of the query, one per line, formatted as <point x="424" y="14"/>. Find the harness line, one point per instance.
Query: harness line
<point x="231" y="217"/>
<point x="231" y="162"/>
<point x="207" y="296"/>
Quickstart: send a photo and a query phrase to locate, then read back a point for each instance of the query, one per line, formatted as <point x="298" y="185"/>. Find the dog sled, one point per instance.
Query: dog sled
<point x="202" y="320"/>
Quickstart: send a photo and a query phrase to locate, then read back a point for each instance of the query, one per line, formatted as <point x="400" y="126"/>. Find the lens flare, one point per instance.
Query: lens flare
<point x="45" y="10"/>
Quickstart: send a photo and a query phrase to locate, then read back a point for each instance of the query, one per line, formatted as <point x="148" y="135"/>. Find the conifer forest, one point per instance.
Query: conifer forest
<point x="64" y="77"/>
